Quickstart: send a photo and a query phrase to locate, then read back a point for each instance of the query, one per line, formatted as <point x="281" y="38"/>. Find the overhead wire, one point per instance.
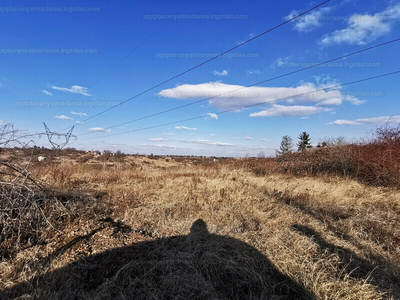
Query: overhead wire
<point x="123" y="58"/>
<point x="201" y="64"/>
<point x="247" y="86"/>
<point x="376" y="3"/>
<point x="250" y="105"/>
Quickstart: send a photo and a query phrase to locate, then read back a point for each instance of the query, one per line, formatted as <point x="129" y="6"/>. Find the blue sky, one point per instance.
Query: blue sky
<point x="64" y="64"/>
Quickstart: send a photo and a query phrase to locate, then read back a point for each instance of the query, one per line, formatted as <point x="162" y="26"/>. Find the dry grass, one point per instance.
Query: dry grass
<point x="134" y="230"/>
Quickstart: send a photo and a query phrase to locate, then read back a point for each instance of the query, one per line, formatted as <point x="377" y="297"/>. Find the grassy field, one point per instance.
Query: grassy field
<point x="135" y="227"/>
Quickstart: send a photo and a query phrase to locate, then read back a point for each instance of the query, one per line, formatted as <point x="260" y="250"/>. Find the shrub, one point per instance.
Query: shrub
<point x="376" y="162"/>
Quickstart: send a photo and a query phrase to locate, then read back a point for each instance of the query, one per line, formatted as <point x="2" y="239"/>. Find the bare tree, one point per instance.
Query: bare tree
<point x="21" y="215"/>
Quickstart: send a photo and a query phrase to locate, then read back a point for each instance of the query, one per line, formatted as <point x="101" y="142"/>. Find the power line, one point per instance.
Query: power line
<point x="125" y="57"/>
<point x="251" y="85"/>
<point x="201" y="64"/>
<point x="206" y="76"/>
<point x="250" y="105"/>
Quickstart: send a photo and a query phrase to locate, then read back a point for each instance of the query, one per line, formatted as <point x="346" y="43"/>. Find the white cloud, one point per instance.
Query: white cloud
<point x="74" y="89"/>
<point x="236" y="96"/>
<point x="320" y="96"/>
<point x="344" y="122"/>
<point x="158" y="139"/>
<point x="222" y="73"/>
<point x="267" y="141"/>
<point x="99" y="129"/>
<point x="168" y="133"/>
<point x="207" y="143"/>
<point x="309" y="21"/>
<point x="213" y="116"/>
<point x="79" y="113"/>
<point x="2" y="122"/>
<point x="62" y="117"/>
<point x="253" y="72"/>
<point x="212" y="134"/>
<point x="375" y="120"/>
<point x="282" y="62"/>
<point x="47" y="92"/>
<point x="161" y="147"/>
<point x="362" y="29"/>
<point x="248" y="138"/>
<point x="286" y="111"/>
<point x="184" y="127"/>
<point x="4" y="79"/>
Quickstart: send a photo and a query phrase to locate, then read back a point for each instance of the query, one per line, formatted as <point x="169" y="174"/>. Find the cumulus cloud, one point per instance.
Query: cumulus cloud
<point x="362" y="29"/>
<point x="286" y="111"/>
<point x="47" y="92"/>
<point x="212" y="134"/>
<point x="310" y="21"/>
<point x="79" y="113"/>
<point x="213" y="116"/>
<point x="207" y="143"/>
<point x="222" y="73"/>
<point x="376" y="120"/>
<point x="230" y="97"/>
<point x="74" y="89"/>
<point x="248" y="138"/>
<point x="158" y="139"/>
<point x="184" y="127"/>
<point x="99" y="129"/>
<point x="62" y="117"/>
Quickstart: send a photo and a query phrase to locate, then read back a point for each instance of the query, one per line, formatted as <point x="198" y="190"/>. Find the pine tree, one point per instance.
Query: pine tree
<point x="304" y="142"/>
<point x="286" y="146"/>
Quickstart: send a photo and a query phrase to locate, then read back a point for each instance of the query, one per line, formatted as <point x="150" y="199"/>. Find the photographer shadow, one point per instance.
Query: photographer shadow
<point x="197" y="266"/>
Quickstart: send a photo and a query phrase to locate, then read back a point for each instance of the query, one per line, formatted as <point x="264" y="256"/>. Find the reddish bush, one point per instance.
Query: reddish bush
<point x="376" y="162"/>
<point x="379" y="161"/>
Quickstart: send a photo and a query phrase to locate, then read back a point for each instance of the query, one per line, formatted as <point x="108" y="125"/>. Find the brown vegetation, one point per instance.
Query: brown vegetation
<point x="145" y="228"/>
<point x="376" y="162"/>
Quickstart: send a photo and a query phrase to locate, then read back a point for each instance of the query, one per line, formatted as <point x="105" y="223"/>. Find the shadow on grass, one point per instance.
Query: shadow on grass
<point x="197" y="266"/>
<point x="382" y="272"/>
<point x="353" y="265"/>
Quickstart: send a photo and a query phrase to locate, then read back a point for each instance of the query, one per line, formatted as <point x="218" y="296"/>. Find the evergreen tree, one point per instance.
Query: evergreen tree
<point x="304" y="142"/>
<point x="286" y="146"/>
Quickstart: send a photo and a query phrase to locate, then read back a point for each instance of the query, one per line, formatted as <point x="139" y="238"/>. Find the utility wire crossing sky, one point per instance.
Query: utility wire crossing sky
<point x="80" y="65"/>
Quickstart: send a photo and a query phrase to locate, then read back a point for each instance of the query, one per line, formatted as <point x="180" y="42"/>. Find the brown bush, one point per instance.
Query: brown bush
<point x="379" y="161"/>
<point x="376" y="162"/>
<point x="339" y="160"/>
